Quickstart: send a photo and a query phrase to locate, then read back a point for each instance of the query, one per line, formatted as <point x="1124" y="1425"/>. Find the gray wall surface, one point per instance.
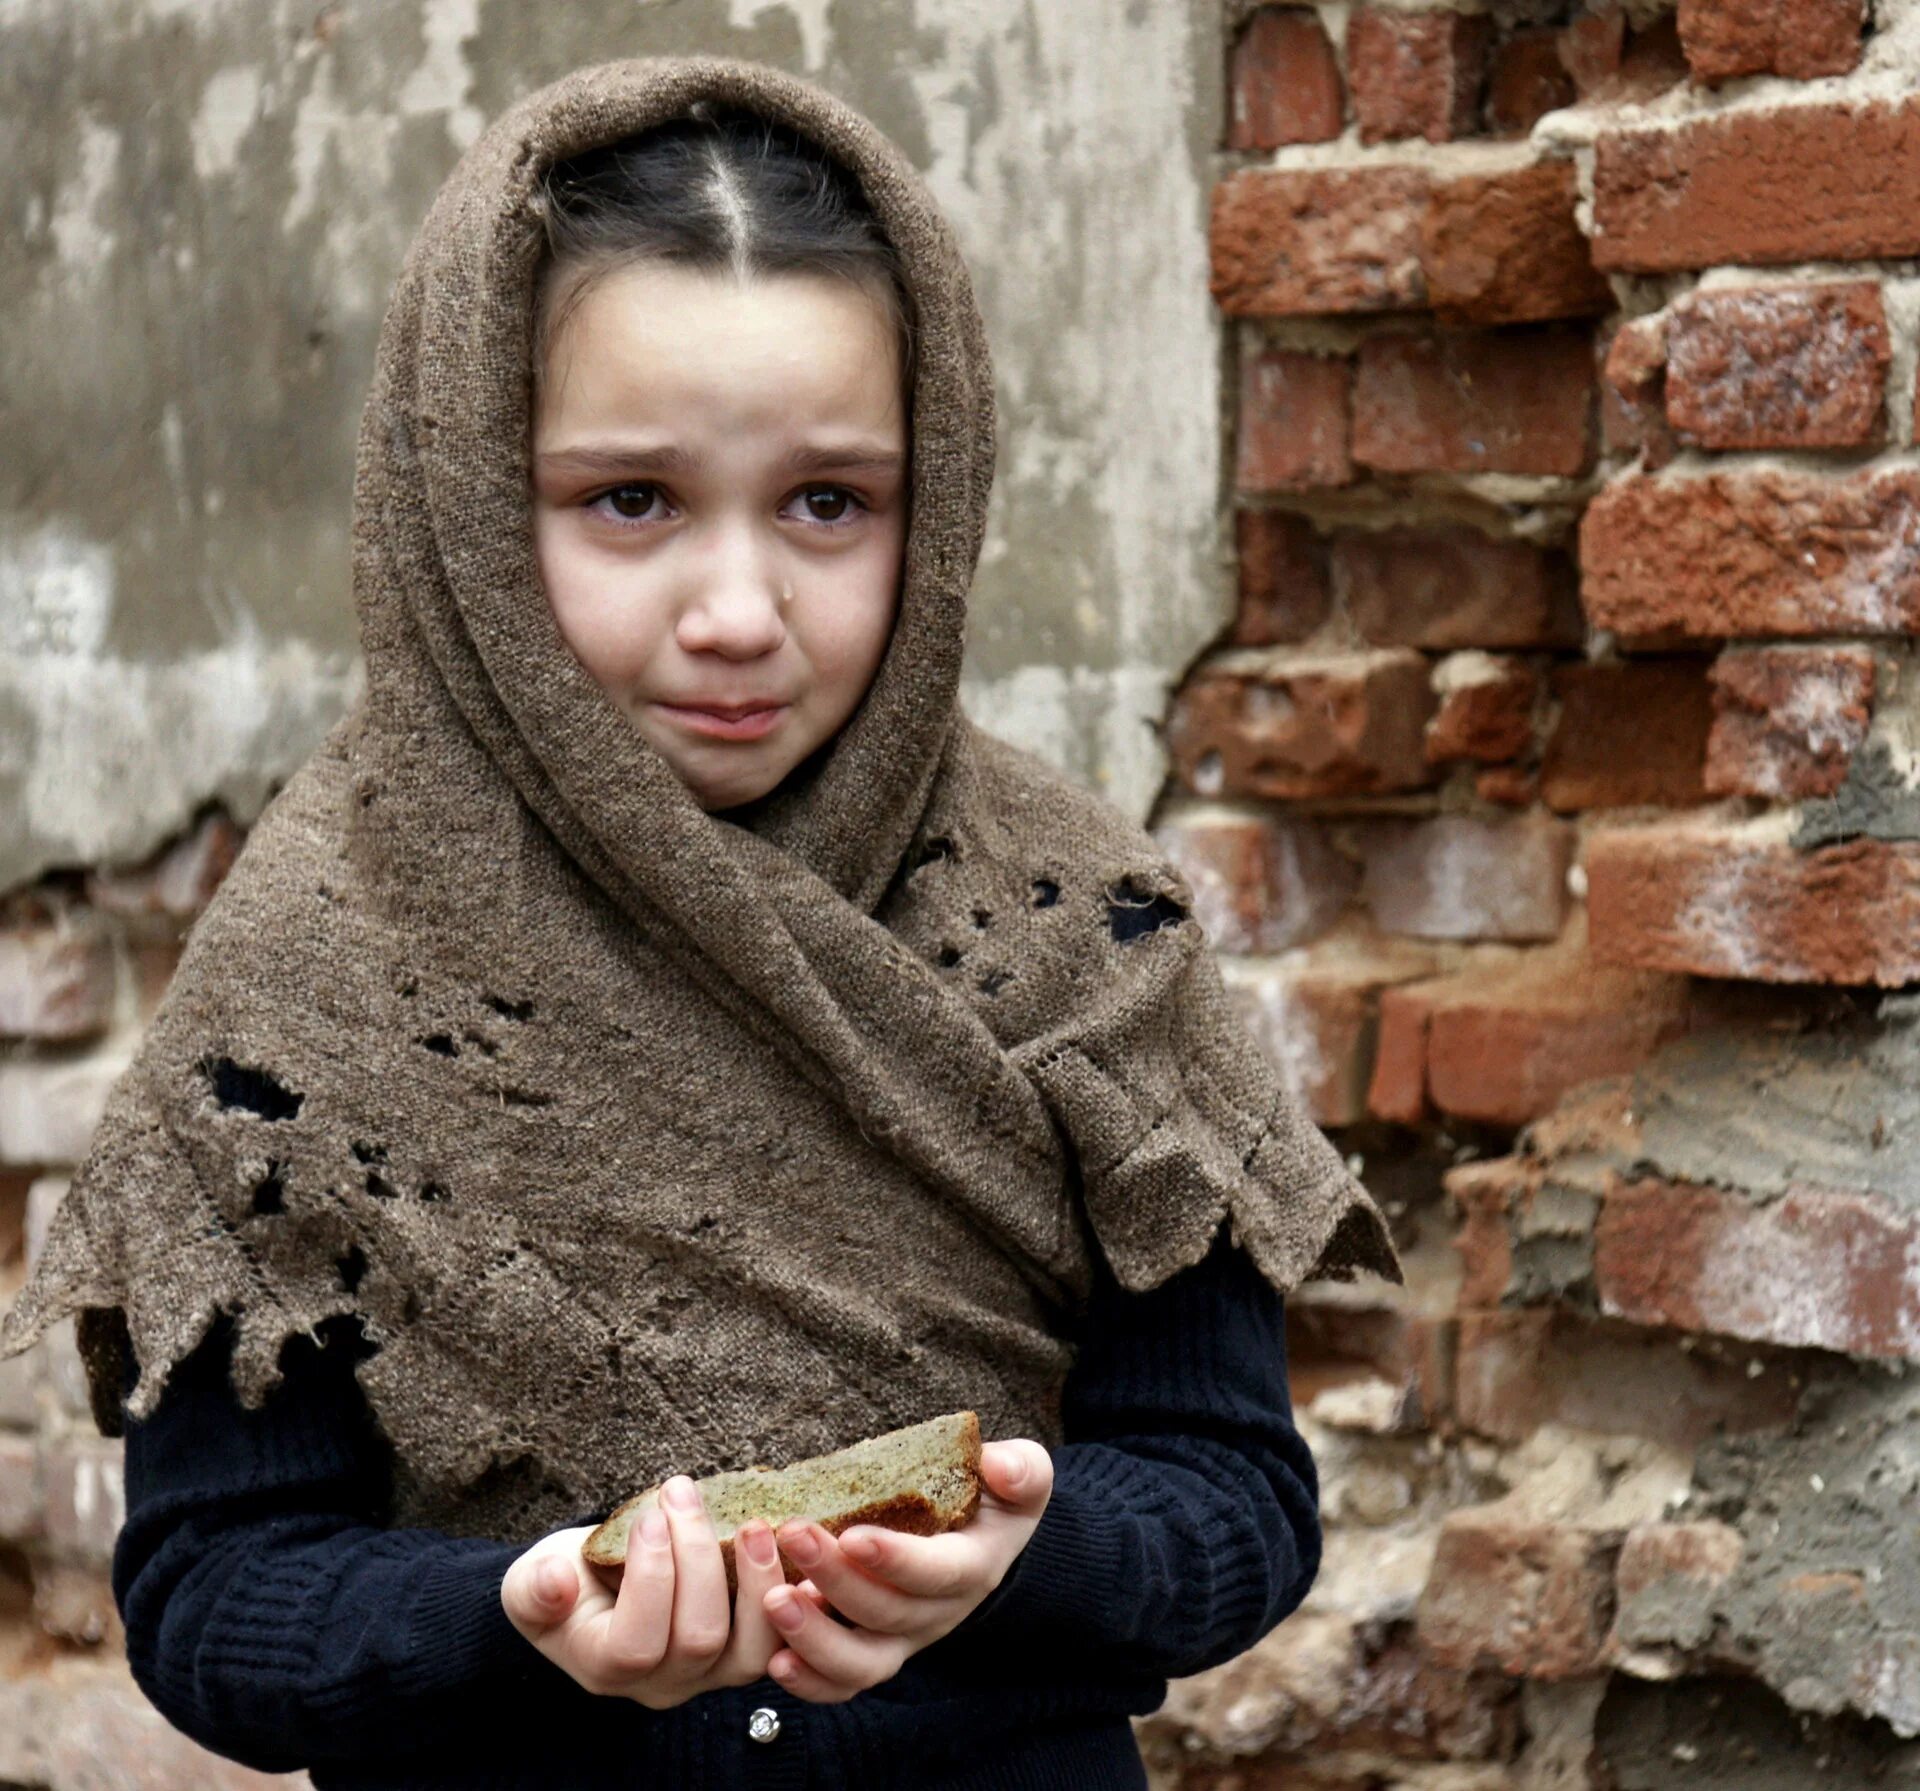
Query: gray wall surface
<point x="205" y="203"/>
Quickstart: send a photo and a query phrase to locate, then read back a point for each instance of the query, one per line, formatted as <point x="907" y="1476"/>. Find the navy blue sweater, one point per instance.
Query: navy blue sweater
<point x="273" y="1616"/>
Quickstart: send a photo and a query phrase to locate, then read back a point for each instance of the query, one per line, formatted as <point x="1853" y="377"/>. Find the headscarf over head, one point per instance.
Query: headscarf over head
<point x="639" y="1140"/>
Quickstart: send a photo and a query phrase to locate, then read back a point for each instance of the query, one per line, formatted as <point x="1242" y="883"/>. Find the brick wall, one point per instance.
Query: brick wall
<point x="1552" y="797"/>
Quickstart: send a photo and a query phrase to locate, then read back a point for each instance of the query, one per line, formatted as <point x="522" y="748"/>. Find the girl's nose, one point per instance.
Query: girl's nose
<point x="739" y="617"/>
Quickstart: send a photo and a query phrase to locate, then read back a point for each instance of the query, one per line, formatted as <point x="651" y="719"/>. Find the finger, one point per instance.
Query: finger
<point x="852" y="1591"/>
<point x="534" y="1594"/>
<point x="927" y="1566"/>
<point x="756" y="1571"/>
<point x="793" y="1674"/>
<point x="855" y="1658"/>
<point x="1019" y="1473"/>
<point x="701" y="1618"/>
<point x="637" y="1630"/>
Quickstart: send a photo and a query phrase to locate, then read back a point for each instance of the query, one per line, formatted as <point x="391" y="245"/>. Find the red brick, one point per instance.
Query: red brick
<point x="1512" y="786"/>
<point x="1486" y="708"/>
<point x="1523" y="1368"/>
<point x="1723" y="898"/>
<point x="1801" y="39"/>
<point x="1787" y="720"/>
<point x="1526" y="80"/>
<point x="1530" y="1600"/>
<point x="1445" y="587"/>
<point x="1284" y="594"/>
<point x="1628" y="731"/>
<point x="1633" y="391"/>
<point x="1779" y="366"/>
<point x="1289" y="725"/>
<point x="1288" y="242"/>
<point x="1756" y="552"/>
<point x="1314" y="1013"/>
<point x="1294" y="425"/>
<point x="179" y="882"/>
<point x="1284" y="82"/>
<point x="1611" y="61"/>
<point x="1506" y="248"/>
<point x="1260" y="883"/>
<point x="1591" y="48"/>
<point x="1486" y="1193"/>
<point x="1795" y="183"/>
<point x="1503" y="1045"/>
<point x="1464" y="877"/>
<point x="56" y="971"/>
<point x="1397" y="1087"/>
<point x="1812" y="1269"/>
<point x="1517" y="401"/>
<point x="1415" y="74"/>
<point x="1667" y="1580"/>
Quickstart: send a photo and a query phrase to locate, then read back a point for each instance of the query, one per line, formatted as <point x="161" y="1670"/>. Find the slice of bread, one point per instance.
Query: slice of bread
<point x="924" y="1479"/>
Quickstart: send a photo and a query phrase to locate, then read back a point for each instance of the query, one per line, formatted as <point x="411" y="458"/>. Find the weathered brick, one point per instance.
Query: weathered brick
<point x="1591" y="47"/>
<point x="1465" y="877"/>
<point x="1778" y="366"/>
<point x="1787" y="720"/>
<point x="75" y="1604"/>
<point x="1294" y="422"/>
<point x="178" y="882"/>
<point x="1726" y="898"/>
<point x="1519" y="1369"/>
<point x="1503" y="1043"/>
<point x="1628" y="731"/>
<point x="1506" y="248"/>
<point x="1667" y="1579"/>
<point x="1633" y="394"/>
<point x="1261" y="883"/>
<point x="84" y="1488"/>
<point x="1794" y="183"/>
<point x="1485" y="708"/>
<point x="1801" y="39"/>
<point x="1756" y="552"/>
<point x="1284" y="591"/>
<point x="1453" y="586"/>
<point x="1312" y="1011"/>
<point x="1287" y="242"/>
<point x="21" y="1510"/>
<point x="1828" y="1270"/>
<point x="49" y="1106"/>
<point x="1512" y="786"/>
<point x="1283" y="82"/>
<point x="1485" y="1194"/>
<point x="56" y="972"/>
<point x="1619" y="64"/>
<point x="1526" y="80"/>
<point x="1343" y="1342"/>
<point x="1287" y="725"/>
<point x="1527" y="1599"/>
<point x="1415" y="74"/>
<point x="1510" y="401"/>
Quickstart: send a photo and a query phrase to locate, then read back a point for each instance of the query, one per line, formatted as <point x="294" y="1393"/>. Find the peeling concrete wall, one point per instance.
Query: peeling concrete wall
<point x="206" y="204"/>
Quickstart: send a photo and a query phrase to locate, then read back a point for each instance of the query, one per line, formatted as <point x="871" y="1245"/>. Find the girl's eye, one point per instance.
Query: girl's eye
<point x="841" y="502"/>
<point x="627" y="504"/>
<point x="630" y="506"/>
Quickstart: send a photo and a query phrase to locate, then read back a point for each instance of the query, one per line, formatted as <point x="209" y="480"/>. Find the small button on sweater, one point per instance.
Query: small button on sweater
<point x="273" y="1616"/>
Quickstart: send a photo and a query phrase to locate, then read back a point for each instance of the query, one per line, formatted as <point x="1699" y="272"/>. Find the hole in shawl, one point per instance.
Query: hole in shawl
<point x="949" y="956"/>
<point x="931" y="853"/>
<point x="410" y="988"/>
<point x="982" y="919"/>
<point x="379" y="1187"/>
<point x="270" y="1191"/>
<point x="994" y="981"/>
<point x="524" y="1097"/>
<point x="432" y="1191"/>
<point x="1045" y="892"/>
<point x="440" y="1044"/>
<point x="238" y="1088"/>
<point x="352" y="1267"/>
<point x="510" y="1010"/>
<point x="1133" y="912"/>
<point x="370" y="1153"/>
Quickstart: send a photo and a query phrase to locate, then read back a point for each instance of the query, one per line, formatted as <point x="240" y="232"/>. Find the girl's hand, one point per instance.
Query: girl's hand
<point x="658" y="1631"/>
<point x="900" y="1592"/>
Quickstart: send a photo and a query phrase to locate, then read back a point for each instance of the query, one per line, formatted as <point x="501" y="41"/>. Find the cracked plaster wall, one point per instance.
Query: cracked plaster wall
<point x="206" y="201"/>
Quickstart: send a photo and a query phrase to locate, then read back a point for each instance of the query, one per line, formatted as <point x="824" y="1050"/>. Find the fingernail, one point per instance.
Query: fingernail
<point x="757" y="1540"/>
<point x="682" y="1494"/>
<point x="862" y="1547"/>
<point x="802" y="1545"/>
<point x="786" y="1614"/>
<point x="653" y="1528"/>
<point x="1017" y="1470"/>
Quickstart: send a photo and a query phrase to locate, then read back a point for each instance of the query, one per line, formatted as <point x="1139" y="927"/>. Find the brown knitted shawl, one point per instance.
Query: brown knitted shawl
<point x="639" y="1139"/>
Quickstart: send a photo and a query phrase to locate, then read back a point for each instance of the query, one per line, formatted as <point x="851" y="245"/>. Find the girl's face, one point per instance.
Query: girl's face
<point x="719" y="508"/>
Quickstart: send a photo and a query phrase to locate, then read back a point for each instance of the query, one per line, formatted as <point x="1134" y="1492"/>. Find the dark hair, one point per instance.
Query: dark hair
<point x="719" y="190"/>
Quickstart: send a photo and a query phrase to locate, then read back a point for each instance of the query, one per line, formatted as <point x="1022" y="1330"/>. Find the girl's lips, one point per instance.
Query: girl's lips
<point x="748" y="726"/>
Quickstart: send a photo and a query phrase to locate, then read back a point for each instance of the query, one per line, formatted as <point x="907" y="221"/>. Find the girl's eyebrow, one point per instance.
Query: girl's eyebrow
<point x="605" y="459"/>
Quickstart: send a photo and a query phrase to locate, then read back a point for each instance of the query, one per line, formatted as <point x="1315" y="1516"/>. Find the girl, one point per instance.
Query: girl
<point x="657" y="1033"/>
